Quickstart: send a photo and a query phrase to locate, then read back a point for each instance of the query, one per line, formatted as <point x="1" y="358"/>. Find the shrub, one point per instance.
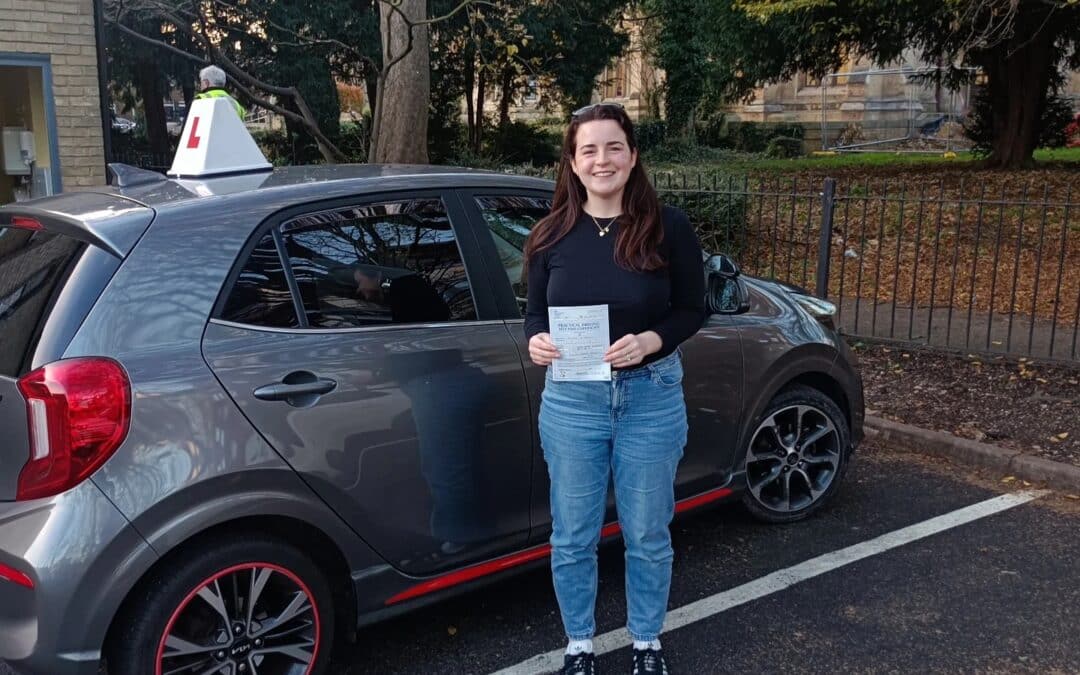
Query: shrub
<point x="979" y="128"/>
<point x="784" y="147"/>
<point x="522" y="143"/>
<point x="682" y="150"/>
<point x="650" y="134"/>
<point x="749" y="137"/>
<point x="791" y="130"/>
<point x="1072" y="133"/>
<point x="276" y="146"/>
<point x="353" y="139"/>
<point x="713" y="132"/>
<point x="719" y="217"/>
<point x="754" y="137"/>
<point x="446" y="142"/>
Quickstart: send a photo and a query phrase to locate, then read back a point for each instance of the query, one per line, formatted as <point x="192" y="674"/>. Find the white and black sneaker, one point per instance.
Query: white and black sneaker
<point x="580" y="664"/>
<point x="649" y="662"/>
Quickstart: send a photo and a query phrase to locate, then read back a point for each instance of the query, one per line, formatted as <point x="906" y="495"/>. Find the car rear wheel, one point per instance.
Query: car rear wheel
<point x="246" y="606"/>
<point x="796" y="457"/>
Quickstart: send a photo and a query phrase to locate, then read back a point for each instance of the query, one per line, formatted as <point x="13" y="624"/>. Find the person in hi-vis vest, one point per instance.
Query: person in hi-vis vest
<point x="212" y="85"/>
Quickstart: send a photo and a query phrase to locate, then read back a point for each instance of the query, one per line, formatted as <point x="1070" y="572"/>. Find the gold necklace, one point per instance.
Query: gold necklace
<point x="605" y="228"/>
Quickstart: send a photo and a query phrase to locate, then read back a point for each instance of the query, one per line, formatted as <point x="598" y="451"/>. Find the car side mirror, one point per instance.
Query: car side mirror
<point x="725" y="292"/>
<point x="724" y="265"/>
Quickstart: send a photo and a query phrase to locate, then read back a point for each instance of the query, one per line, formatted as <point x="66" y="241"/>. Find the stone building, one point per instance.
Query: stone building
<point x="50" y="106"/>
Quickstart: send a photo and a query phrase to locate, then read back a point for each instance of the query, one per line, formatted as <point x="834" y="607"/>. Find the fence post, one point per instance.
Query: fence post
<point x="828" y="202"/>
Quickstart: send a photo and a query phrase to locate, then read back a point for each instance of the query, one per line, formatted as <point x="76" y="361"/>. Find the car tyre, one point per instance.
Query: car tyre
<point x="796" y="457"/>
<point x="196" y="613"/>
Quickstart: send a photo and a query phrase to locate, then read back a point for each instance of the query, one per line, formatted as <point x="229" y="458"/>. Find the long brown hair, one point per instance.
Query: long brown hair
<point x="637" y="246"/>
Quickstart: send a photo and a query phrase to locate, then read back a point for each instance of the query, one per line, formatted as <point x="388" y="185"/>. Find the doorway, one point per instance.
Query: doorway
<point x="29" y="164"/>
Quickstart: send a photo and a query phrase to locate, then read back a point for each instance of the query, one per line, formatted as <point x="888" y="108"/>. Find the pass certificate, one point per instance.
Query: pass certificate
<point x="581" y="336"/>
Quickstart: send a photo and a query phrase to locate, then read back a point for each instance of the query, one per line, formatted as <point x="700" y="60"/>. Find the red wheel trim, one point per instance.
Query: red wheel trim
<point x="235" y="568"/>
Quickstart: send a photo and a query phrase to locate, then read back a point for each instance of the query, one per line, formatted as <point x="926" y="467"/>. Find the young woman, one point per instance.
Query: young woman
<point x="609" y="241"/>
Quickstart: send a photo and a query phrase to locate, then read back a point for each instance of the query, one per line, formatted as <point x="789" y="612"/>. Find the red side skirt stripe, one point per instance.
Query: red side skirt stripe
<point x="536" y="553"/>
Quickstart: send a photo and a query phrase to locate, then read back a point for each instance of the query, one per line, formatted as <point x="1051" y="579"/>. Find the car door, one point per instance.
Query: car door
<point x="362" y="340"/>
<point x="712" y="358"/>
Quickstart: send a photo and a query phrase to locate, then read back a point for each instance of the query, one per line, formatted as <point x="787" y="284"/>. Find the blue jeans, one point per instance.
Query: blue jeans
<point x="634" y="428"/>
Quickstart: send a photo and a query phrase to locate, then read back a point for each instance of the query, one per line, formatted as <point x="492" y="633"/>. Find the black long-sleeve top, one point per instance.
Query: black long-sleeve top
<point x="580" y="269"/>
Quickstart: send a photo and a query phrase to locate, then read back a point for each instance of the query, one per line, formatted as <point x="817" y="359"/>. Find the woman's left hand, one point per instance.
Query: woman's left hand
<point x="629" y="350"/>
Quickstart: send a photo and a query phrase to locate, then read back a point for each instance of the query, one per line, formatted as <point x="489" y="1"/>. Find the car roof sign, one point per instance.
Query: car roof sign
<point x="216" y="142"/>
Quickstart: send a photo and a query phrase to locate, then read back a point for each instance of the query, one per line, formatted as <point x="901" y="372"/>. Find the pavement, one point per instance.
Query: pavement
<point x="958" y="329"/>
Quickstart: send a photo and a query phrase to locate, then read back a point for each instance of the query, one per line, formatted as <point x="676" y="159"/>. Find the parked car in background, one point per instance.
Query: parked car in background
<point x="124" y="125"/>
<point x="245" y="414"/>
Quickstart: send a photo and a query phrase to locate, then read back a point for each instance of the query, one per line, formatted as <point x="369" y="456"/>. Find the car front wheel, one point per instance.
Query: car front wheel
<point x="246" y="606"/>
<point x="796" y="457"/>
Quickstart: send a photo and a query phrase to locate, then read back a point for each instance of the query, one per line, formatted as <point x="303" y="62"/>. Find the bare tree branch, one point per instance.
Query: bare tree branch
<point x="204" y="16"/>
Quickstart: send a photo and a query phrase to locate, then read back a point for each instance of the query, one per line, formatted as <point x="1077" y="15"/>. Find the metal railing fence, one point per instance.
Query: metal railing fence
<point x="959" y="263"/>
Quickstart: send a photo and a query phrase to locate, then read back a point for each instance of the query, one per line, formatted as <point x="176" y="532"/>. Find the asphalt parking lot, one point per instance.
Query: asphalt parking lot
<point x="917" y="567"/>
<point x="998" y="594"/>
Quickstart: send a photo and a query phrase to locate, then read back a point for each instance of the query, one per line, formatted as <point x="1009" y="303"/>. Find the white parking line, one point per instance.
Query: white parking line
<point x="785" y="578"/>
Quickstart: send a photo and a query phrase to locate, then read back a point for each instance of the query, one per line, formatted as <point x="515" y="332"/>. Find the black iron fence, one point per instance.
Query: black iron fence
<point x="153" y="161"/>
<point x="962" y="263"/>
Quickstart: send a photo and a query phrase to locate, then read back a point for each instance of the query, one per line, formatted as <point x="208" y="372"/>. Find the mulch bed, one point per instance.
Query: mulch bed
<point x="1015" y="403"/>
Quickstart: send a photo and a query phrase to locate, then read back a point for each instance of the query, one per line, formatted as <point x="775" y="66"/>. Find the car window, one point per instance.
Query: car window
<point x="33" y="265"/>
<point x="260" y="296"/>
<point x="510" y="219"/>
<point x="379" y="264"/>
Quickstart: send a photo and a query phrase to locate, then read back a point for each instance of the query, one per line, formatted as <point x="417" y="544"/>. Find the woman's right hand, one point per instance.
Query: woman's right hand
<point x="541" y="350"/>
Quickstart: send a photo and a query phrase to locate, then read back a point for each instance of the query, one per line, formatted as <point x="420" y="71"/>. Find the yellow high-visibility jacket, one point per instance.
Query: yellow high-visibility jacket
<point x="217" y="92"/>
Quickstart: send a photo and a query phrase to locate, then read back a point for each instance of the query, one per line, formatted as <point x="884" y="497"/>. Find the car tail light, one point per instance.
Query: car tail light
<point x="79" y="411"/>
<point x="24" y="223"/>
<point x="15" y="576"/>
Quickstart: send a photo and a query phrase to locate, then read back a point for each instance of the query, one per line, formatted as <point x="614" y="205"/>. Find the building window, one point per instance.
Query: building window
<point x="532" y="90"/>
<point x="806" y="80"/>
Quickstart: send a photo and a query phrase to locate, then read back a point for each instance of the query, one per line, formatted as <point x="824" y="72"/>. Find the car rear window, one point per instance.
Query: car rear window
<point x="33" y="266"/>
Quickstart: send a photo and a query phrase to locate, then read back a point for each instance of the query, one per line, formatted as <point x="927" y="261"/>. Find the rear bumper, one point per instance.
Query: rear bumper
<point x="77" y="552"/>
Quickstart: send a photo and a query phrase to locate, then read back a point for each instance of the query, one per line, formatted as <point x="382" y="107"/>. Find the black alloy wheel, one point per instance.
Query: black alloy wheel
<point x="252" y="606"/>
<point x="796" y="457"/>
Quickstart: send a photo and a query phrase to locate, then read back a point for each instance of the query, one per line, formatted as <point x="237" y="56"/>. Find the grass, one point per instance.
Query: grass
<point x="876" y="160"/>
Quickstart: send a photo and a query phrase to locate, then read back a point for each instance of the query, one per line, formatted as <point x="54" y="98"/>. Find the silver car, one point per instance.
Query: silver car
<point x="240" y="417"/>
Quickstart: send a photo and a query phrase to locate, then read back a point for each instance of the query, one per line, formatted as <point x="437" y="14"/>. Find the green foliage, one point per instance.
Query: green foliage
<point x="522" y="143"/>
<point x="754" y="137"/>
<point x="650" y="134"/>
<point x="784" y="147"/>
<point x="353" y="139"/>
<point x="572" y="41"/>
<point x="558" y="47"/>
<point x="713" y="131"/>
<point x="714" y="51"/>
<point x="682" y="150"/>
<point x="979" y="125"/>
<point x="447" y="139"/>
<point x="718" y="213"/>
<point x="515" y="144"/>
<point x="276" y="146"/>
<point x="749" y="137"/>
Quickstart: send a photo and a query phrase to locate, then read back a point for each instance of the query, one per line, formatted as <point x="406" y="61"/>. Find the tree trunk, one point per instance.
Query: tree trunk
<point x="151" y="91"/>
<point x="481" y="85"/>
<point x="470" y="108"/>
<point x="507" y="95"/>
<point x="400" y="131"/>
<point x="1019" y="78"/>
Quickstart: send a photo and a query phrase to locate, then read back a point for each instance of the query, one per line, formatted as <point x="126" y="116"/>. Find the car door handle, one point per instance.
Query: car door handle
<point x="295" y="386"/>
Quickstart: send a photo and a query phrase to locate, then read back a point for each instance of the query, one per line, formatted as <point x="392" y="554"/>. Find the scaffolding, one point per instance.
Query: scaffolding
<point x="902" y="109"/>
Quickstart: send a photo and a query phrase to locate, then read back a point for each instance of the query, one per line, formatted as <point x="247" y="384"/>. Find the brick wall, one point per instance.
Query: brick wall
<point x="64" y="30"/>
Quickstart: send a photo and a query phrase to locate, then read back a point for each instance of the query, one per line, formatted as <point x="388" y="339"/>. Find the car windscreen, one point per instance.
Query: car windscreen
<point x="33" y="266"/>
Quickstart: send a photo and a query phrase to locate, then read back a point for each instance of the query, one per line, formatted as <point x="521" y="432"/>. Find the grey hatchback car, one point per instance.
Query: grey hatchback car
<point x="242" y="416"/>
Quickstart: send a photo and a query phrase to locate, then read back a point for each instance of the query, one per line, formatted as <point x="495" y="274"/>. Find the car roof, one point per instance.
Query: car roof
<point x="157" y="191"/>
